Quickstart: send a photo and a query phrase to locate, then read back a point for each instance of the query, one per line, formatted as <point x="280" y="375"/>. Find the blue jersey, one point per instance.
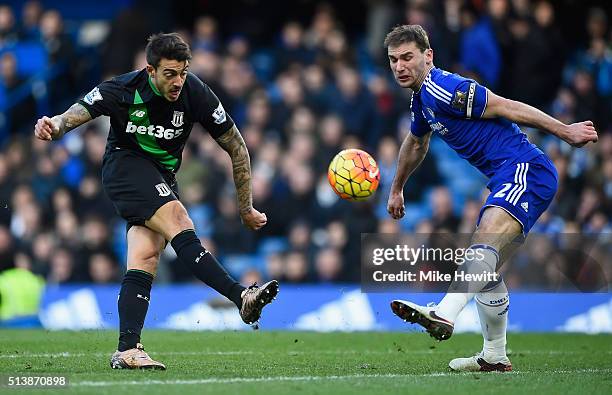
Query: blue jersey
<point x="453" y="107"/>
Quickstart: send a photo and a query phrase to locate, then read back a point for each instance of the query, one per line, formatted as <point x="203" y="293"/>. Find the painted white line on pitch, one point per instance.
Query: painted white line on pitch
<point x="289" y="353"/>
<point x="250" y="379"/>
<point x="313" y="378"/>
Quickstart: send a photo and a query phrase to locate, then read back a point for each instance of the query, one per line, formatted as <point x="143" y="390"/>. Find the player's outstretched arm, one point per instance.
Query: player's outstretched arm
<point x="576" y="134"/>
<point x="233" y="143"/>
<point x="411" y="154"/>
<point x="54" y="128"/>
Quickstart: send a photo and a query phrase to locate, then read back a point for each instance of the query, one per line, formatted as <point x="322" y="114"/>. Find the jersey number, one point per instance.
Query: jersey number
<point x="502" y="193"/>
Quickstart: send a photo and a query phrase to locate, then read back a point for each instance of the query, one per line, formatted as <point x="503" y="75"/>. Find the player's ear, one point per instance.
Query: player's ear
<point x="150" y="70"/>
<point x="428" y="56"/>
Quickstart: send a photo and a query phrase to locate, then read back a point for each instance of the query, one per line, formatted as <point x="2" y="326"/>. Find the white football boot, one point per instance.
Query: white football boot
<point x="426" y="316"/>
<point x="478" y="364"/>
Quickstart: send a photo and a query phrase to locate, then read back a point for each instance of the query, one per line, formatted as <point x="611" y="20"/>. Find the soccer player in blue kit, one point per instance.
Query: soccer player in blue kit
<point x="482" y="128"/>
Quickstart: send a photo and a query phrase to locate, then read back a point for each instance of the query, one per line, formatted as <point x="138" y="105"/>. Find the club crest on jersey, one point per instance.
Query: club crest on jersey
<point x="177" y="119"/>
<point x="163" y="189"/>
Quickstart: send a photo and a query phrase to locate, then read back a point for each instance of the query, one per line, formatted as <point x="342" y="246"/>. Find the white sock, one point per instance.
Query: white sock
<point x="493" y="308"/>
<point x="460" y="293"/>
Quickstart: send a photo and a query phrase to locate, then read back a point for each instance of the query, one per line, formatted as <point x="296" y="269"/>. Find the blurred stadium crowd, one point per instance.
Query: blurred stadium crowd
<point x="316" y="85"/>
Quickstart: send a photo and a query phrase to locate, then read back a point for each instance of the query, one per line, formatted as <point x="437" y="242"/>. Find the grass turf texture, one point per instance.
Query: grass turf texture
<point x="304" y="363"/>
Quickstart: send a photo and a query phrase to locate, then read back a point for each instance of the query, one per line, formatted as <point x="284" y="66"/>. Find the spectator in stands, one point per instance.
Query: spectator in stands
<point x="550" y="56"/>
<point x="61" y="268"/>
<point x="498" y="12"/>
<point x="480" y="53"/>
<point x="317" y="89"/>
<point x="354" y="103"/>
<point x="23" y="103"/>
<point x="588" y="101"/>
<point x="31" y="13"/>
<point x="275" y="266"/>
<point x="229" y="235"/>
<point x="292" y="50"/>
<point x="8" y="30"/>
<point x="328" y="265"/>
<point x="296" y="267"/>
<point x="62" y="55"/>
<point x="442" y="214"/>
<point x="67" y="229"/>
<point x="205" y="34"/>
<point x="103" y="269"/>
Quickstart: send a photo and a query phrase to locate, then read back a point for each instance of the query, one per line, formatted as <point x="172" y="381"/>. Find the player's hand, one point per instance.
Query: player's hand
<point x="580" y="133"/>
<point x="253" y="219"/>
<point x="47" y="129"/>
<point x="395" y="205"/>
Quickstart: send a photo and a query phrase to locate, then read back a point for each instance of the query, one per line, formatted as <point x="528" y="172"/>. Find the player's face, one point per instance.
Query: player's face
<point x="169" y="77"/>
<point x="409" y="64"/>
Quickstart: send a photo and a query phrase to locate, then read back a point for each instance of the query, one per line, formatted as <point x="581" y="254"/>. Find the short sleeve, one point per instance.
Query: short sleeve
<point x="211" y="113"/>
<point x="419" y="126"/>
<point x="469" y="100"/>
<point x="103" y="99"/>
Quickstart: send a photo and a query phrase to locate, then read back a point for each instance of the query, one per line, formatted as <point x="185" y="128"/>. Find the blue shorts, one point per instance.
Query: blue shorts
<point x="523" y="189"/>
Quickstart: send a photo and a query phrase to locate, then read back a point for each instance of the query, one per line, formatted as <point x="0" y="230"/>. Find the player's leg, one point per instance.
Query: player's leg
<point x="497" y="231"/>
<point x="493" y="304"/>
<point x="173" y="222"/>
<point x="144" y="248"/>
<point x="540" y="182"/>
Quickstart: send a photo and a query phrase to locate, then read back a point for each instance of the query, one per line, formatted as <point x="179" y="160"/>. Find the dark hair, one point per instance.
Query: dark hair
<point x="167" y="46"/>
<point x="406" y="34"/>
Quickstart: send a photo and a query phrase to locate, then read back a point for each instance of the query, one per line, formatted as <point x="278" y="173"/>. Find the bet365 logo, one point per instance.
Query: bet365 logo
<point x="154" y="130"/>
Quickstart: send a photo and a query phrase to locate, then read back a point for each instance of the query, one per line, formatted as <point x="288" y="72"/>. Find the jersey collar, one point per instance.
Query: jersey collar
<point x="146" y="88"/>
<point x="423" y="83"/>
<point x="153" y="87"/>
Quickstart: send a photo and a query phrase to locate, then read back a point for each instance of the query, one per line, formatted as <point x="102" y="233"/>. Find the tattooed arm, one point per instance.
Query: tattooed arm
<point x="233" y="143"/>
<point x="54" y="128"/>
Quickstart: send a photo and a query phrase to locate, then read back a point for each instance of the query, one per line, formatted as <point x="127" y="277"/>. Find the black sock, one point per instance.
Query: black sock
<point x="133" y="304"/>
<point x="205" y="266"/>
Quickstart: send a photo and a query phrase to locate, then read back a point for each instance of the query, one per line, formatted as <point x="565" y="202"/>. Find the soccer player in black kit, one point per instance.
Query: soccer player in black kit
<point x="152" y="112"/>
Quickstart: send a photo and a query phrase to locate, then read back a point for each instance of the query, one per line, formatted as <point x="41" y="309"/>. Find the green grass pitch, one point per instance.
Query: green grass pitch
<point x="308" y="363"/>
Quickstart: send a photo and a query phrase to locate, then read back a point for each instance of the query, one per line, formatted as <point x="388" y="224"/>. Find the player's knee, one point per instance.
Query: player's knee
<point x="181" y="219"/>
<point x="185" y="222"/>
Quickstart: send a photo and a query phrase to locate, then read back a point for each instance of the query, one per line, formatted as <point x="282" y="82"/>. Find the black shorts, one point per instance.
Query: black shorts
<point x="136" y="186"/>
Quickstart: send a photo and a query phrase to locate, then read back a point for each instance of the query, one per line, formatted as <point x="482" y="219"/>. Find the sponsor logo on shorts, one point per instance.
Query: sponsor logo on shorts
<point x="525" y="206"/>
<point x="154" y="130"/>
<point x="163" y="189"/>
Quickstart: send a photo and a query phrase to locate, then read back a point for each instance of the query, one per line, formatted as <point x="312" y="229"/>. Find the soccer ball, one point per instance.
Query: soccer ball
<point x="353" y="174"/>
